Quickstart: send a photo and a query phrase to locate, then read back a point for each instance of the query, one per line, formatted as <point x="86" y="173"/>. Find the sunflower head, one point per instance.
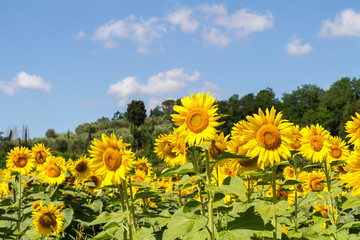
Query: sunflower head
<point x="81" y="168"/>
<point x="96" y="180"/>
<point x="338" y="149"/>
<point x="237" y="130"/>
<point x="352" y="176"/>
<point x="218" y="145"/>
<point x="315" y="181"/>
<point x="142" y="164"/>
<point x="322" y="208"/>
<point x="48" y="220"/>
<point x="110" y="159"/>
<point x="197" y="118"/>
<point x="296" y="134"/>
<point x="353" y="129"/>
<point x="36" y="206"/>
<point x="267" y="136"/>
<point x="20" y="159"/>
<point x="315" y="142"/>
<point x="40" y="153"/>
<point x="289" y="172"/>
<point x="53" y="170"/>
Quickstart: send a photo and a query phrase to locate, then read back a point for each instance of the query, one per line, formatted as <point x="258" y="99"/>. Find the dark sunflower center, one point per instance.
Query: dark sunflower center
<point x="335" y="151"/>
<point x="112" y="159"/>
<point x="268" y="137"/>
<point x="48" y="220"/>
<point x="143" y="167"/>
<point x="168" y="150"/>
<point x="96" y="182"/>
<point x="247" y="162"/>
<point x="40" y="157"/>
<point x="316" y="185"/>
<point x="21" y="162"/>
<point x="197" y="120"/>
<point x="81" y="167"/>
<point x="316" y="143"/>
<point x="53" y="171"/>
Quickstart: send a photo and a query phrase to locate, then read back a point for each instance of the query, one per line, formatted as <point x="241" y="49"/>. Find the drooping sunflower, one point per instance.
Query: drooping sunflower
<point x="353" y="128"/>
<point x="171" y="148"/>
<point x="96" y="180"/>
<point x="322" y="209"/>
<point x="48" y="220"/>
<point x="81" y="168"/>
<point x="40" y="153"/>
<point x="110" y="159"/>
<point x="142" y="164"/>
<point x="19" y="159"/>
<point x="315" y="143"/>
<point x="315" y="181"/>
<point x="197" y="118"/>
<point x="267" y="137"/>
<point x="53" y="170"/>
<point x="352" y="177"/>
<point x="338" y="150"/>
<point x="218" y="145"/>
<point x="295" y="131"/>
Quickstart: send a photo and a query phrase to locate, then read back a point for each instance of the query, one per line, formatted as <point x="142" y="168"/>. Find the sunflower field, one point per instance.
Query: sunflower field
<point x="268" y="179"/>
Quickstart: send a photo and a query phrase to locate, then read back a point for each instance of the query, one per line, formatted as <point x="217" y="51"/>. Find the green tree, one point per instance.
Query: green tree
<point x="136" y="114"/>
<point x="118" y="115"/>
<point x="50" y="133"/>
<point x="168" y="106"/>
<point x="156" y="112"/>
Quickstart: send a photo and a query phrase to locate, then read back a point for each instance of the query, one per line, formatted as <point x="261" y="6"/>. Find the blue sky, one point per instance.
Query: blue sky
<point x="64" y="63"/>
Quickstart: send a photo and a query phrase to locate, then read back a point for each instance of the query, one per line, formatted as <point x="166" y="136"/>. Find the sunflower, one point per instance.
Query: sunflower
<point x="48" y="220"/>
<point x="197" y="118"/>
<point x="353" y="128"/>
<point x="315" y="181"/>
<point x="96" y="180"/>
<point x="19" y="159"/>
<point x="237" y="130"/>
<point x="142" y="164"/>
<point x="218" y="145"/>
<point x="241" y="165"/>
<point x="171" y="148"/>
<point x="289" y="172"/>
<point x="338" y="150"/>
<point x="40" y="153"/>
<point x="296" y="134"/>
<point x="315" y="143"/>
<point x="37" y="205"/>
<point x="286" y="194"/>
<point x="53" y="170"/>
<point x="267" y="137"/>
<point x="81" y="168"/>
<point x="322" y="208"/>
<point x="352" y="177"/>
<point x="4" y="186"/>
<point x="164" y="184"/>
<point x="110" y="159"/>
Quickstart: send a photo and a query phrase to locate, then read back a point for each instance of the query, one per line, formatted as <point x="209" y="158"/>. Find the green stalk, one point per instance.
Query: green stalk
<point x="274" y="198"/>
<point x="123" y="206"/>
<point x="195" y="164"/>
<point x="128" y="208"/>
<point x="19" y="207"/>
<point x="210" y="198"/>
<point x="179" y="189"/>
<point x="328" y="183"/>
<point x="132" y="207"/>
<point x="248" y="189"/>
<point x="296" y="196"/>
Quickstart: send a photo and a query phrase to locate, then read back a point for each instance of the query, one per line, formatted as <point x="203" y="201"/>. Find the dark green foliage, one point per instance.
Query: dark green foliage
<point x="167" y="106"/>
<point x="136" y="112"/>
<point x="50" y="133"/>
<point x="118" y="115"/>
<point x="156" y="112"/>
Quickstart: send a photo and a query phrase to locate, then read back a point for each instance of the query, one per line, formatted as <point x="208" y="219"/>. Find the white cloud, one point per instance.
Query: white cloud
<point x="244" y="22"/>
<point x="79" y="36"/>
<point x="294" y="47"/>
<point x="347" y="23"/>
<point x="213" y="10"/>
<point x="24" y="81"/>
<point x="143" y="50"/>
<point x="215" y="37"/>
<point x="153" y="102"/>
<point x="160" y="84"/>
<point x="182" y="18"/>
<point x="91" y="103"/>
<point x="141" y="31"/>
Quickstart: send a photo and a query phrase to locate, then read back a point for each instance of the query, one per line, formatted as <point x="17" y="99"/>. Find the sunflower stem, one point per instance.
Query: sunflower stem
<point x="128" y="208"/>
<point x="179" y="189"/>
<point x="296" y="196"/>
<point x="123" y="209"/>
<point x="132" y="207"/>
<point x="274" y="198"/>
<point x="194" y="161"/>
<point x="210" y="198"/>
<point x="19" y="207"/>
<point x="328" y="183"/>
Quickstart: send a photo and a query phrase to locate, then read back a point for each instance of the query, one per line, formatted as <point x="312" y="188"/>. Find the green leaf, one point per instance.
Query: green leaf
<point x="267" y="210"/>
<point x="284" y="163"/>
<point x="68" y="216"/>
<point x="251" y="221"/>
<point x="205" y="145"/>
<point x="96" y="206"/>
<point x="106" y="217"/>
<point x="353" y="224"/>
<point x="140" y="184"/>
<point x="351" y="203"/>
<point x="181" y="170"/>
<point x="144" y="234"/>
<point x="289" y="182"/>
<point x="187" y="179"/>
<point x="254" y="173"/>
<point x="337" y="162"/>
<point x="191" y="205"/>
<point x="226" y="155"/>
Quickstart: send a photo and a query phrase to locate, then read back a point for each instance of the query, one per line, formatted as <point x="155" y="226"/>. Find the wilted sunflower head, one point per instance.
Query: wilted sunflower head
<point x="48" y="220"/>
